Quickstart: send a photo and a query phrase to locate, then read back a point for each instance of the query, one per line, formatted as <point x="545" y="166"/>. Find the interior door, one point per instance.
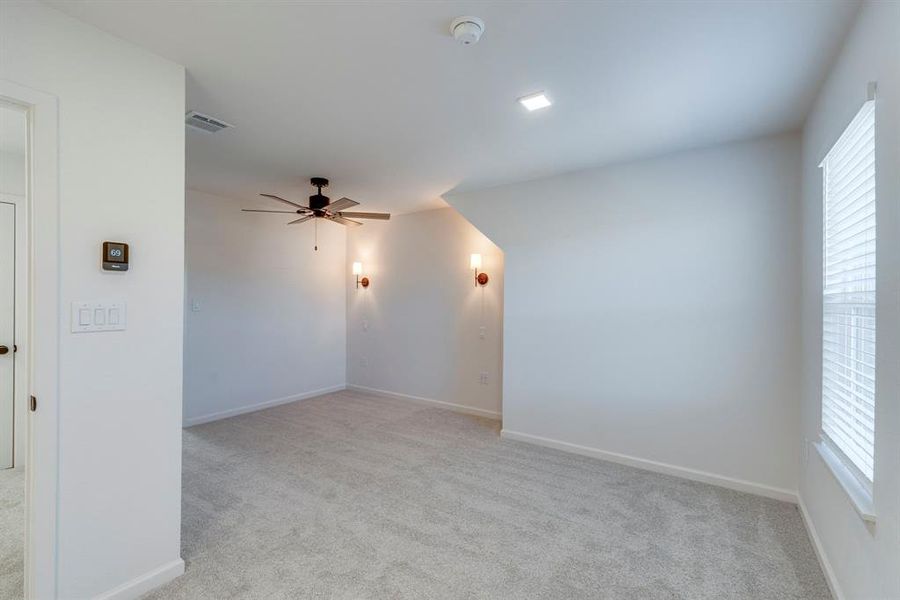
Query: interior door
<point x="7" y="327"/>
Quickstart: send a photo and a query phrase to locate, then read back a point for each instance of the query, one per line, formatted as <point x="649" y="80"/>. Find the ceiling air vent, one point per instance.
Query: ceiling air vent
<point x="205" y="123"/>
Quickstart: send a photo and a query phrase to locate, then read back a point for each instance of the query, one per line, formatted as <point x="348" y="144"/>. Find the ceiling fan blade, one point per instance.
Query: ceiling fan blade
<point x="339" y="205"/>
<point x="343" y="221"/>
<point x="273" y="197"/>
<point x="365" y="215"/>
<point x="302" y="219"/>
<point x="286" y="212"/>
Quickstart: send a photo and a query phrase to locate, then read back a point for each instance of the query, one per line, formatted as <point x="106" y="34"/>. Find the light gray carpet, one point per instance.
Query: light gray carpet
<point x="353" y="496"/>
<point x="12" y="533"/>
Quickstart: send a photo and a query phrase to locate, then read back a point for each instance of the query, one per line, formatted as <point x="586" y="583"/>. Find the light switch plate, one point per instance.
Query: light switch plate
<point x="88" y="317"/>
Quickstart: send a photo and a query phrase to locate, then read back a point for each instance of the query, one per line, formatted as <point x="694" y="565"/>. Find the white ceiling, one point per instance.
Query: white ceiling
<point x="378" y="97"/>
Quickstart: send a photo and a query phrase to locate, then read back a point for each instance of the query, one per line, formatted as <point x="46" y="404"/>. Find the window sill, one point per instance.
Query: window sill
<point x="860" y="497"/>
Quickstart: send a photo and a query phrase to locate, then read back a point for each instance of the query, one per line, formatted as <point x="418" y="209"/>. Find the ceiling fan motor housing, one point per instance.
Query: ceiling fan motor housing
<point x="317" y="201"/>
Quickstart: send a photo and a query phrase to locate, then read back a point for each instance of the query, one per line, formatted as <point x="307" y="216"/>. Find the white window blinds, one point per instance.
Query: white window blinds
<point x="848" y="315"/>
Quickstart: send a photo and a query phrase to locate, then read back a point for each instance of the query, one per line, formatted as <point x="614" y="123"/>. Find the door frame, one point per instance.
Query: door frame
<point x="43" y="339"/>
<point x="20" y="326"/>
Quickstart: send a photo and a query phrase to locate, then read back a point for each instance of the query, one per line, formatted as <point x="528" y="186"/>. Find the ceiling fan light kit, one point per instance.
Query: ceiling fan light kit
<point x="321" y="207"/>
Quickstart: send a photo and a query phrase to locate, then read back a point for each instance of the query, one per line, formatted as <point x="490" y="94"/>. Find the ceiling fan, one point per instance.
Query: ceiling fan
<point x="321" y="207"/>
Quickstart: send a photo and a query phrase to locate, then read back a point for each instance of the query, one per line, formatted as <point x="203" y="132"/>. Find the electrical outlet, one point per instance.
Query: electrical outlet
<point x="483" y="380"/>
<point x="482" y="332"/>
<point x="195" y="306"/>
<point x="364" y="362"/>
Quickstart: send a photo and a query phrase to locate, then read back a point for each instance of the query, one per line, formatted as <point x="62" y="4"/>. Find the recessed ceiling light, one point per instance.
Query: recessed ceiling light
<point x="535" y="101"/>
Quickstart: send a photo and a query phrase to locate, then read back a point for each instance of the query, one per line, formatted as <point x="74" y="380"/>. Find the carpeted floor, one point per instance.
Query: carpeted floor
<point x="351" y="496"/>
<point x="12" y="533"/>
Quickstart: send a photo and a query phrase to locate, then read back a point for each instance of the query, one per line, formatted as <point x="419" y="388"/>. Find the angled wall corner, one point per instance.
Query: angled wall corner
<point x="654" y="315"/>
<point x="423" y="329"/>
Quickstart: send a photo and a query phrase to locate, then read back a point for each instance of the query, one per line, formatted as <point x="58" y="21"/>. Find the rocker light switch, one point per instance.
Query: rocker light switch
<point x="98" y="316"/>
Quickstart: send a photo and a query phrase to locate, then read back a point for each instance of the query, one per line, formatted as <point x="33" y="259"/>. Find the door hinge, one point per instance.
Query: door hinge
<point x="32" y="404"/>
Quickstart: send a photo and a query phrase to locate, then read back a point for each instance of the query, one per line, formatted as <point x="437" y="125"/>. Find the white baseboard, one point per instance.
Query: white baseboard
<point x="657" y="467"/>
<point x="139" y="586"/>
<point x="233" y="412"/>
<point x="830" y="577"/>
<point x="462" y="408"/>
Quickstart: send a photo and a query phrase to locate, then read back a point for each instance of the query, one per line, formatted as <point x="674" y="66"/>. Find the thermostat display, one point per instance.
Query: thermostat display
<point x="115" y="256"/>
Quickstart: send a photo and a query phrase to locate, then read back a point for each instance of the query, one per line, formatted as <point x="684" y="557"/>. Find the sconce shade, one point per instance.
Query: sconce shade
<point x="357" y="268"/>
<point x="475" y="261"/>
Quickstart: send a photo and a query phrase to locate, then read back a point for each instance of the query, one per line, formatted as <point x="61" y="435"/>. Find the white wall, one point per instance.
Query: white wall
<point x="272" y="320"/>
<point x="864" y="559"/>
<point x="422" y="311"/>
<point x="651" y="309"/>
<point x="121" y="170"/>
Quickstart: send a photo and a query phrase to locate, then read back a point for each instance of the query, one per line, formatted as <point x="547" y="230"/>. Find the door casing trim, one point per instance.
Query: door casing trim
<point x="44" y="310"/>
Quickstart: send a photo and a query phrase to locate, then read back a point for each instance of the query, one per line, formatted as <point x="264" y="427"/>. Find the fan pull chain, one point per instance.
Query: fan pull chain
<point x="316" y="223"/>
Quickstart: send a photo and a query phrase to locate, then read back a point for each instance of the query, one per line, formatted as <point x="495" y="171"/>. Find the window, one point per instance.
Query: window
<point x="848" y="303"/>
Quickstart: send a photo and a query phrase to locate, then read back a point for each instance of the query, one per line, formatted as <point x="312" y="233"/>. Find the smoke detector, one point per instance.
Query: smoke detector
<point x="467" y="30"/>
<point x="205" y="123"/>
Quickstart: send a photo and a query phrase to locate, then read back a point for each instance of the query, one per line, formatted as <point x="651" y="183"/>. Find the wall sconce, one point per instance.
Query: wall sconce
<point x="357" y="270"/>
<point x="475" y="263"/>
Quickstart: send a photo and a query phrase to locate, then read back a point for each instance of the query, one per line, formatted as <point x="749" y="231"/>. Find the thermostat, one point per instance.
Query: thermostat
<point x="115" y="256"/>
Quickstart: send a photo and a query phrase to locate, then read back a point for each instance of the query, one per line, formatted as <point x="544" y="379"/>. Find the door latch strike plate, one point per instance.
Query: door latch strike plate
<point x="32" y="404"/>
